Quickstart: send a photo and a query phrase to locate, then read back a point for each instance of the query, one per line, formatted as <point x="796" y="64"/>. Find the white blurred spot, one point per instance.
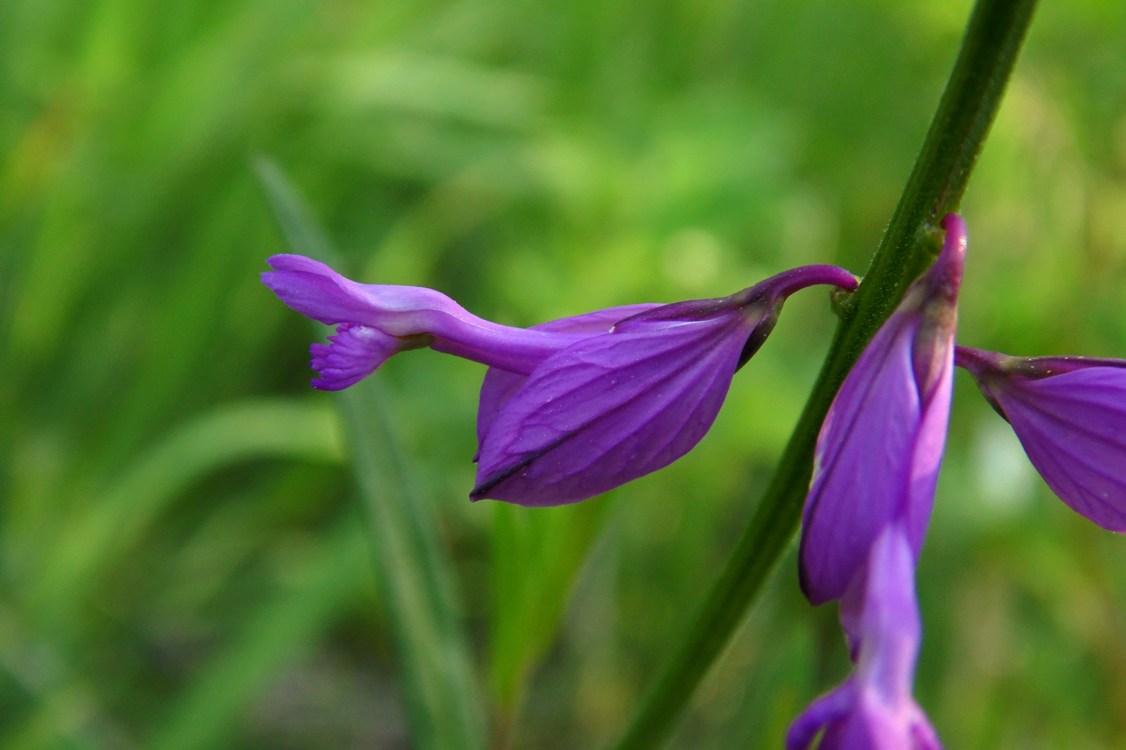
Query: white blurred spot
<point x="1002" y="471"/>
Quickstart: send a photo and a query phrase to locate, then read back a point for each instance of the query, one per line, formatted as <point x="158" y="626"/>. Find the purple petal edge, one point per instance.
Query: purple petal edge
<point x="1073" y="428"/>
<point x="500" y="385"/>
<point x="607" y="410"/>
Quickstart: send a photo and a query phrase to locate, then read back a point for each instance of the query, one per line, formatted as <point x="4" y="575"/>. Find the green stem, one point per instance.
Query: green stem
<point x="969" y="104"/>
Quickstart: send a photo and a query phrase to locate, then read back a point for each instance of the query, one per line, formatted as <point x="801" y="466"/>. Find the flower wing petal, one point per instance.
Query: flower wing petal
<point x="500" y="385"/>
<point x="864" y="456"/>
<point x="1073" y="428"/>
<point x="607" y="410"/>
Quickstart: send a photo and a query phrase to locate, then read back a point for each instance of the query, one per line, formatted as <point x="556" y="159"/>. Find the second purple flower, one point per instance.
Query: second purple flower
<point x="882" y="441"/>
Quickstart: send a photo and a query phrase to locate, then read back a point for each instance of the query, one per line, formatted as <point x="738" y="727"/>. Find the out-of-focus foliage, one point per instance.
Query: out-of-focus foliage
<point x="181" y="543"/>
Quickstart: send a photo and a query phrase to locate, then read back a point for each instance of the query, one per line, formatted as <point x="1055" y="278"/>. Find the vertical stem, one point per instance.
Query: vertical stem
<point x="969" y="104"/>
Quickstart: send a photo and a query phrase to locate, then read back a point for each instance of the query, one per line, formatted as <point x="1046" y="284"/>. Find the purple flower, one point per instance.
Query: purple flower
<point x="881" y="443"/>
<point x="571" y="408"/>
<point x="873" y="709"/>
<point x="1070" y="415"/>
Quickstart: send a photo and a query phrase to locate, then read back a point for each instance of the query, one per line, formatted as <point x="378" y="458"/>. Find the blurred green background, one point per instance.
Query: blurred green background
<point x="183" y="551"/>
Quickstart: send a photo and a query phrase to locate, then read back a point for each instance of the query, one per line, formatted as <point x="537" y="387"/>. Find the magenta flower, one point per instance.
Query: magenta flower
<point x="570" y="408"/>
<point x="1070" y="415"/>
<point x="881" y="444"/>
<point x="873" y="709"/>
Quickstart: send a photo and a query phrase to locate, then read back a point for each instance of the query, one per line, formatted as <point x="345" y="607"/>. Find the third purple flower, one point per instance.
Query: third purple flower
<point x="874" y="708"/>
<point x="1070" y="415"/>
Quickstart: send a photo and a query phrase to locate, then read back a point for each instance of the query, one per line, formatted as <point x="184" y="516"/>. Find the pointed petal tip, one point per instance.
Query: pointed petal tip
<point x="495" y="491"/>
<point x="955" y="227"/>
<point x="947" y="268"/>
<point x="484" y="485"/>
<point x="516" y="492"/>
<point x="812" y="595"/>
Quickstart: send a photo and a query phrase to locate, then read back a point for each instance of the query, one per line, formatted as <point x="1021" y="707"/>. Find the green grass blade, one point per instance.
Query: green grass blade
<point x="412" y="567"/>
<point x="276" y="635"/>
<point x="116" y="519"/>
<point x="415" y="575"/>
<point x="536" y="559"/>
